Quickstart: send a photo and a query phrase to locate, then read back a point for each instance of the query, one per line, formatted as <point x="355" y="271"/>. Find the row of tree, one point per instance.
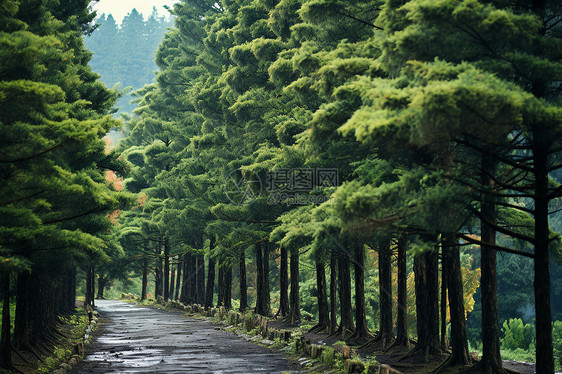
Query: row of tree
<point x="440" y="121"/>
<point x="55" y="200"/>
<point x="124" y="54"/>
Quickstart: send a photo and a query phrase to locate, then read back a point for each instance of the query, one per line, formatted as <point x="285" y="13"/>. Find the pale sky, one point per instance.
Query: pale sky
<point x="120" y="8"/>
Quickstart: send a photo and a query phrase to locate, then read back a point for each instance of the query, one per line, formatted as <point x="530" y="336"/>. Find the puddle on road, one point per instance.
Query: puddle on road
<point x="135" y="358"/>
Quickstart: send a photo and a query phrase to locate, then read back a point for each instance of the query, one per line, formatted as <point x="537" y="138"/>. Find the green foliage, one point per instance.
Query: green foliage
<point x="516" y="334"/>
<point x="557" y="342"/>
<point x="12" y="315"/>
<point x="328" y="356"/>
<point x="60" y="354"/>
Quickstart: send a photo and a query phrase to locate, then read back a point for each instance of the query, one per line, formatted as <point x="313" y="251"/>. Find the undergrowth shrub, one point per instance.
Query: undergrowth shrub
<point x="517" y="334"/>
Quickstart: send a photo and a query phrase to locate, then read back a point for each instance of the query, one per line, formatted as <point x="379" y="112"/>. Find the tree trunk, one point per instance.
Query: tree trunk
<point x="259" y="281"/>
<point x="166" y="269"/>
<point x="284" y="283"/>
<point x="402" y="336"/>
<point x="66" y="293"/>
<point x="144" y="278"/>
<point x="323" y="316"/>
<point x="452" y="264"/>
<point x="210" y="281"/>
<point x="228" y="286"/>
<point x="243" y="286"/>
<point x="23" y="302"/>
<point x="192" y="279"/>
<point x="101" y="286"/>
<point x="172" y="281"/>
<point x="200" y="274"/>
<point x="346" y="323"/>
<point x="5" y="344"/>
<point x="90" y="285"/>
<point x="88" y="295"/>
<point x="427" y="321"/>
<point x="385" y="290"/>
<point x="185" y="280"/>
<point x="333" y="294"/>
<point x="491" y="361"/>
<point x="266" y="294"/>
<point x="433" y="298"/>
<point x="158" y="273"/>
<point x="362" y="332"/>
<point x="178" y="278"/>
<point x="544" y="355"/>
<point x="221" y="284"/>
<point x="443" y="303"/>
<point x="294" y="299"/>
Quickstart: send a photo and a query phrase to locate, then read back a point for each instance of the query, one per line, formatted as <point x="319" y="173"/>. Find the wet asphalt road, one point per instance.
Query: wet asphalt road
<point x="134" y="339"/>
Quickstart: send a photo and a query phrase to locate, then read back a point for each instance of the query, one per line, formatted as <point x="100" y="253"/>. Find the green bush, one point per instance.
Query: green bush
<point x="328" y="356"/>
<point x="517" y="334"/>
<point x="557" y="343"/>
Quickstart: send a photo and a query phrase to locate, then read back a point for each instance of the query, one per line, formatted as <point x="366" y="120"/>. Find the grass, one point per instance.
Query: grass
<point x="12" y="315"/>
<point x="74" y="327"/>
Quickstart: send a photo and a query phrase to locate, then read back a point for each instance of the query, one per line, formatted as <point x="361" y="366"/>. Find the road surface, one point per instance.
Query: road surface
<point x="134" y="339"/>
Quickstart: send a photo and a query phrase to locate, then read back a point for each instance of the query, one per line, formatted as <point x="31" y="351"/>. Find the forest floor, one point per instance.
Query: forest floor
<point x="65" y="345"/>
<point x="136" y="339"/>
<point x="396" y="357"/>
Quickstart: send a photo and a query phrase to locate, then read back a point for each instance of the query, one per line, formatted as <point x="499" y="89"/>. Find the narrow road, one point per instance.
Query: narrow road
<point x="134" y="339"/>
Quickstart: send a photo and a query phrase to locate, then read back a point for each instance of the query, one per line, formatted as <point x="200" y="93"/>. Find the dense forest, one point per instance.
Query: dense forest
<point x="388" y="169"/>
<point x="55" y="205"/>
<point x="124" y="54"/>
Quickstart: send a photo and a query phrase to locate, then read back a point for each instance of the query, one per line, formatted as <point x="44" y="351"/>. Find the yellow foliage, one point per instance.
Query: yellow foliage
<point x="471" y="282"/>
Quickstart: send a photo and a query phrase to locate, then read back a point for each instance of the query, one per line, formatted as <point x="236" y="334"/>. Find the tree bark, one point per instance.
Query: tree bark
<point x="491" y="361"/>
<point x="178" y="278"/>
<point x="5" y="344"/>
<point x="158" y="272"/>
<point x="294" y="298"/>
<point x="200" y="274"/>
<point x="361" y="332"/>
<point x="243" y="286"/>
<point x="402" y="336"/>
<point x="284" y="283"/>
<point x="259" y="281"/>
<point x="443" y="303"/>
<point x="333" y="294"/>
<point x="185" y="280"/>
<point x="452" y="264"/>
<point x="221" y="284"/>
<point x="192" y="278"/>
<point x="323" y="316"/>
<point x="88" y="295"/>
<point x="385" y="291"/>
<point x="544" y="355"/>
<point x="427" y="321"/>
<point x="210" y="281"/>
<point x="172" y="281"/>
<point x="144" y="278"/>
<point x="23" y="302"/>
<point x="433" y="298"/>
<point x="346" y="322"/>
<point x="67" y="293"/>
<point x="101" y="286"/>
<point x="166" y="279"/>
<point x="228" y="286"/>
<point x="266" y="294"/>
